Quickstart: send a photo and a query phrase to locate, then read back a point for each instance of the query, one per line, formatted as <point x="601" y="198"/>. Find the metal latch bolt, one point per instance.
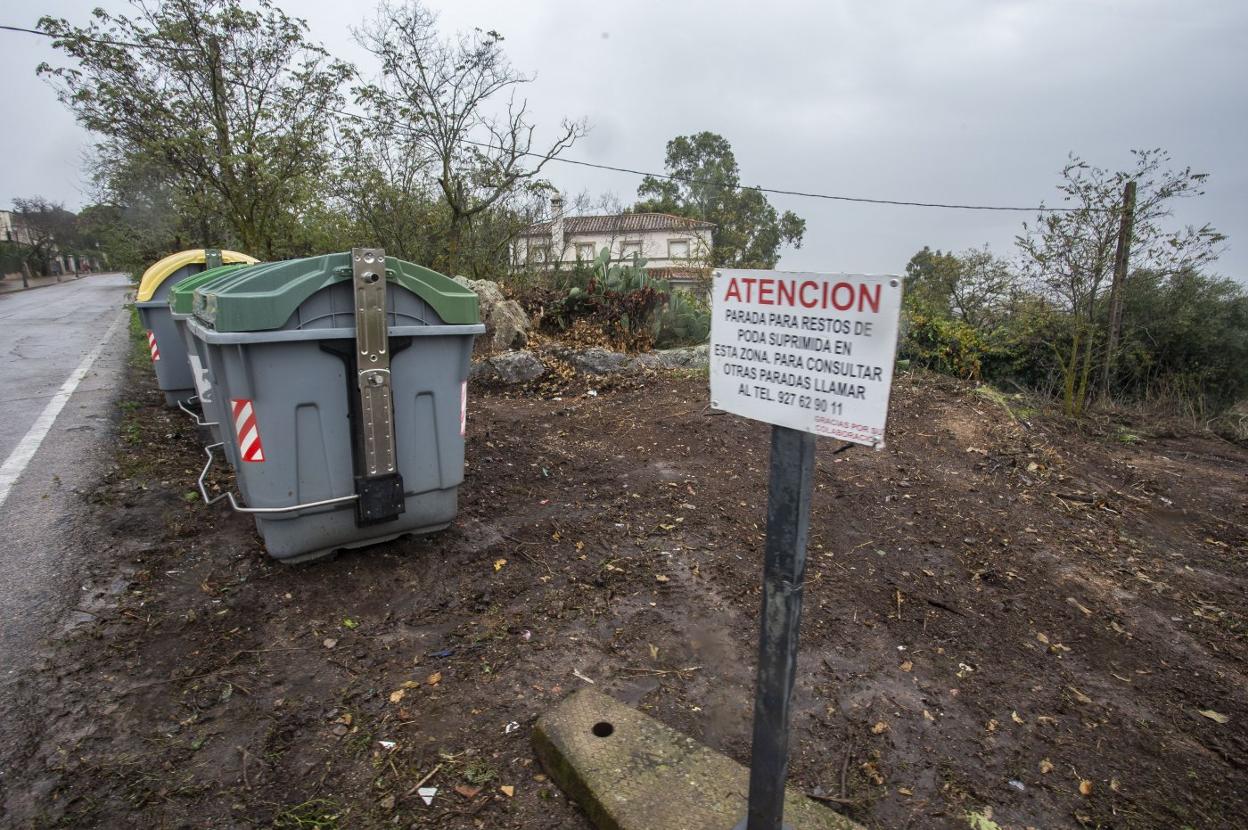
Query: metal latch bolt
<point x="378" y="484"/>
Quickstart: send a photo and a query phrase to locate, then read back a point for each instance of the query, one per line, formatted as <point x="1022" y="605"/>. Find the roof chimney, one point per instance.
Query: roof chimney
<point x="556" y="227"/>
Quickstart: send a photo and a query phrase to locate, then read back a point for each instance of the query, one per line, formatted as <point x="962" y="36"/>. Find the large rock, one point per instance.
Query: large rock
<point x="509" y="368"/>
<point x="599" y="361"/>
<point x="688" y="357"/>
<point x="506" y="324"/>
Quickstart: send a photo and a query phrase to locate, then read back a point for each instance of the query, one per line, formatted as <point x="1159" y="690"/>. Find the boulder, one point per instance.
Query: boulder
<point x="688" y="357"/>
<point x="506" y="324"/>
<point x="509" y="368"/>
<point x="599" y="361"/>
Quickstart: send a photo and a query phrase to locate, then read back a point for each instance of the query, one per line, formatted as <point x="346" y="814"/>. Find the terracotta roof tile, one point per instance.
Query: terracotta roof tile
<point x="621" y="223"/>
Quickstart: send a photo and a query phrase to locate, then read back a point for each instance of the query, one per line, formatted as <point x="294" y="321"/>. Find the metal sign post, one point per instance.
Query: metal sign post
<point x="784" y="574"/>
<point x="810" y="354"/>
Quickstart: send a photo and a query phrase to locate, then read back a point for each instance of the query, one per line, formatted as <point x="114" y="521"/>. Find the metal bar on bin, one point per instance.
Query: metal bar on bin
<point x="378" y="482"/>
<point x="199" y="422"/>
<point x="268" y="511"/>
<point x="212" y="258"/>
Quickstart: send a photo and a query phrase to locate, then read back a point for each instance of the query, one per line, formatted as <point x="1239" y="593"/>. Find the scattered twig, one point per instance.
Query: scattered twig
<point x="422" y="781"/>
<point x="656" y="671"/>
<point x="938" y="604"/>
<point x="1078" y="497"/>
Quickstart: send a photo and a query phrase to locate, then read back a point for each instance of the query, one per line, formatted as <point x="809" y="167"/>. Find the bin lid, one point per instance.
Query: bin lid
<point x="181" y="296"/>
<point x="162" y="270"/>
<point x="263" y="297"/>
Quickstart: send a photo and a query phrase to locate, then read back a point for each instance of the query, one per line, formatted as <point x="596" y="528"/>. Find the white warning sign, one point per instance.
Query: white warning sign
<point x="813" y="352"/>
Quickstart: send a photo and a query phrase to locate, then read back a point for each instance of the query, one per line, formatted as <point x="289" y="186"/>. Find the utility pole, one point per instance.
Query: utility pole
<point x="1121" y="258"/>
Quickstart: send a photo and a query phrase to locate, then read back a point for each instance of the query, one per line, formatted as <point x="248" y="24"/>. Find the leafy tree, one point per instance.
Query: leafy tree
<point x="51" y="230"/>
<point x="984" y="282"/>
<point x="1070" y="254"/>
<point x="230" y="103"/>
<point x="1185" y="342"/>
<point x="930" y="280"/>
<point x="706" y="185"/>
<point x="452" y="104"/>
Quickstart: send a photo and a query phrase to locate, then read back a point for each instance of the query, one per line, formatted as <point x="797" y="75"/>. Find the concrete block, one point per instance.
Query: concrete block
<point x="630" y="772"/>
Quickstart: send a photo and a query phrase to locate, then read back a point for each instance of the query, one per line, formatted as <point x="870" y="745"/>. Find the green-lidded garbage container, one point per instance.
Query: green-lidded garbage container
<point x="345" y="377"/>
<point x="173" y="373"/>
<point x="181" y="298"/>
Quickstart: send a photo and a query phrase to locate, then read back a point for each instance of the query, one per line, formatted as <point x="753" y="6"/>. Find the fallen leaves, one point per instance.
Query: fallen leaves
<point x="507" y="790"/>
<point x="880" y="728"/>
<point x="467" y="791"/>
<point x="434" y="679"/>
<point x="498" y="564"/>
<point x="1046" y="766"/>
<point x="907" y="666"/>
<point x="1016" y="717"/>
<point x="1216" y="717"/>
<point x="1085" y="787"/>
<point x="397" y="695"/>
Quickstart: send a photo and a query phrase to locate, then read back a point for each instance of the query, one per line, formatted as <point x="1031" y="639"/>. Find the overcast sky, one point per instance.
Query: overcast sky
<point x="969" y="101"/>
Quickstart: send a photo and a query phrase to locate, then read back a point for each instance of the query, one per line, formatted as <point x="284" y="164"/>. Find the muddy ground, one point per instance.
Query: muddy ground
<point x="1008" y="619"/>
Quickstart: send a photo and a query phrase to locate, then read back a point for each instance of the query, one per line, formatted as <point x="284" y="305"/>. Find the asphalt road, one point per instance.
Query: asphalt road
<point x="46" y="336"/>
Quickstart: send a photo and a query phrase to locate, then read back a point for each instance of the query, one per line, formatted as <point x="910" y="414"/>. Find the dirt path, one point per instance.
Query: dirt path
<point x="1004" y="618"/>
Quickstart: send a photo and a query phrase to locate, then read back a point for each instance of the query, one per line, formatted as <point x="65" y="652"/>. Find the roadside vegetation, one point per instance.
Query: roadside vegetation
<point x="225" y="124"/>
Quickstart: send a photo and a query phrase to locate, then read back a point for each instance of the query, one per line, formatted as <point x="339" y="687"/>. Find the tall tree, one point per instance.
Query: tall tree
<point x="454" y="103"/>
<point x="232" y="103"/>
<point x="1070" y="254"/>
<point x="705" y="184"/>
<point x="930" y="279"/>
<point x="50" y="230"/>
<point x="984" y="282"/>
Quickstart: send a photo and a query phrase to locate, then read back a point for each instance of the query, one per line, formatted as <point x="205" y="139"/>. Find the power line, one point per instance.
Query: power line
<point x="160" y="46"/>
<point x="616" y="169"/>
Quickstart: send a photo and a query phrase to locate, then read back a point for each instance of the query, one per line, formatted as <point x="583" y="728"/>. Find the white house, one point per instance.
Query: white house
<point x="12" y="229"/>
<point x="675" y="248"/>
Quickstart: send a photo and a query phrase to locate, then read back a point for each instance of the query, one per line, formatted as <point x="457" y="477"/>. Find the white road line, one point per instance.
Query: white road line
<point x="25" y="450"/>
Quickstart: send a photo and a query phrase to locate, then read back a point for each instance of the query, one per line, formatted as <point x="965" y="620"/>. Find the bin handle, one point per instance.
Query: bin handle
<point x="267" y="511"/>
<point x="199" y="422"/>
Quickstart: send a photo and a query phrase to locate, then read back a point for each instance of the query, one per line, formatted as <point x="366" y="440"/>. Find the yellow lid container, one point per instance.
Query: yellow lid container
<point x="162" y="270"/>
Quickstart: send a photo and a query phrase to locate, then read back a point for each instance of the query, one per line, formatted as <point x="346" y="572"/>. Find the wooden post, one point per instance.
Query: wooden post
<point x="784" y="574"/>
<point x="1122" y="257"/>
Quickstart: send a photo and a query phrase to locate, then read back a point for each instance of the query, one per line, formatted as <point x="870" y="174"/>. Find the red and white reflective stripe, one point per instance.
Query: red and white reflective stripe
<point x="463" y="409"/>
<point x="151" y="344"/>
<point x="247" y="430"/>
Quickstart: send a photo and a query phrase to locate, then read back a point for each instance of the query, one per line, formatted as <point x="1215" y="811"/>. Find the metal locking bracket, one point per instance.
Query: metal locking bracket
<point x="212" y="258"/>
<point x="377" y="482"/>
<point x="199" y="422"/>
<point x="262" y="511"/>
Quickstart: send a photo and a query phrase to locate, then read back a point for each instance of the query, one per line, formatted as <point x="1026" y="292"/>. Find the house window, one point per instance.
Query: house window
<point x="678" y="249"/>
<point x="539" y="252"/>
<point x="585" y="251"/>
<point x="628" y="250"/>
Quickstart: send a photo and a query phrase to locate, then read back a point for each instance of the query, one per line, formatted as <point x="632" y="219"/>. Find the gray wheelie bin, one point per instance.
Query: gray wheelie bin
<point x="211" y="415"/>
<point x="173" y="373"/>
<point x="345" y="379"/>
